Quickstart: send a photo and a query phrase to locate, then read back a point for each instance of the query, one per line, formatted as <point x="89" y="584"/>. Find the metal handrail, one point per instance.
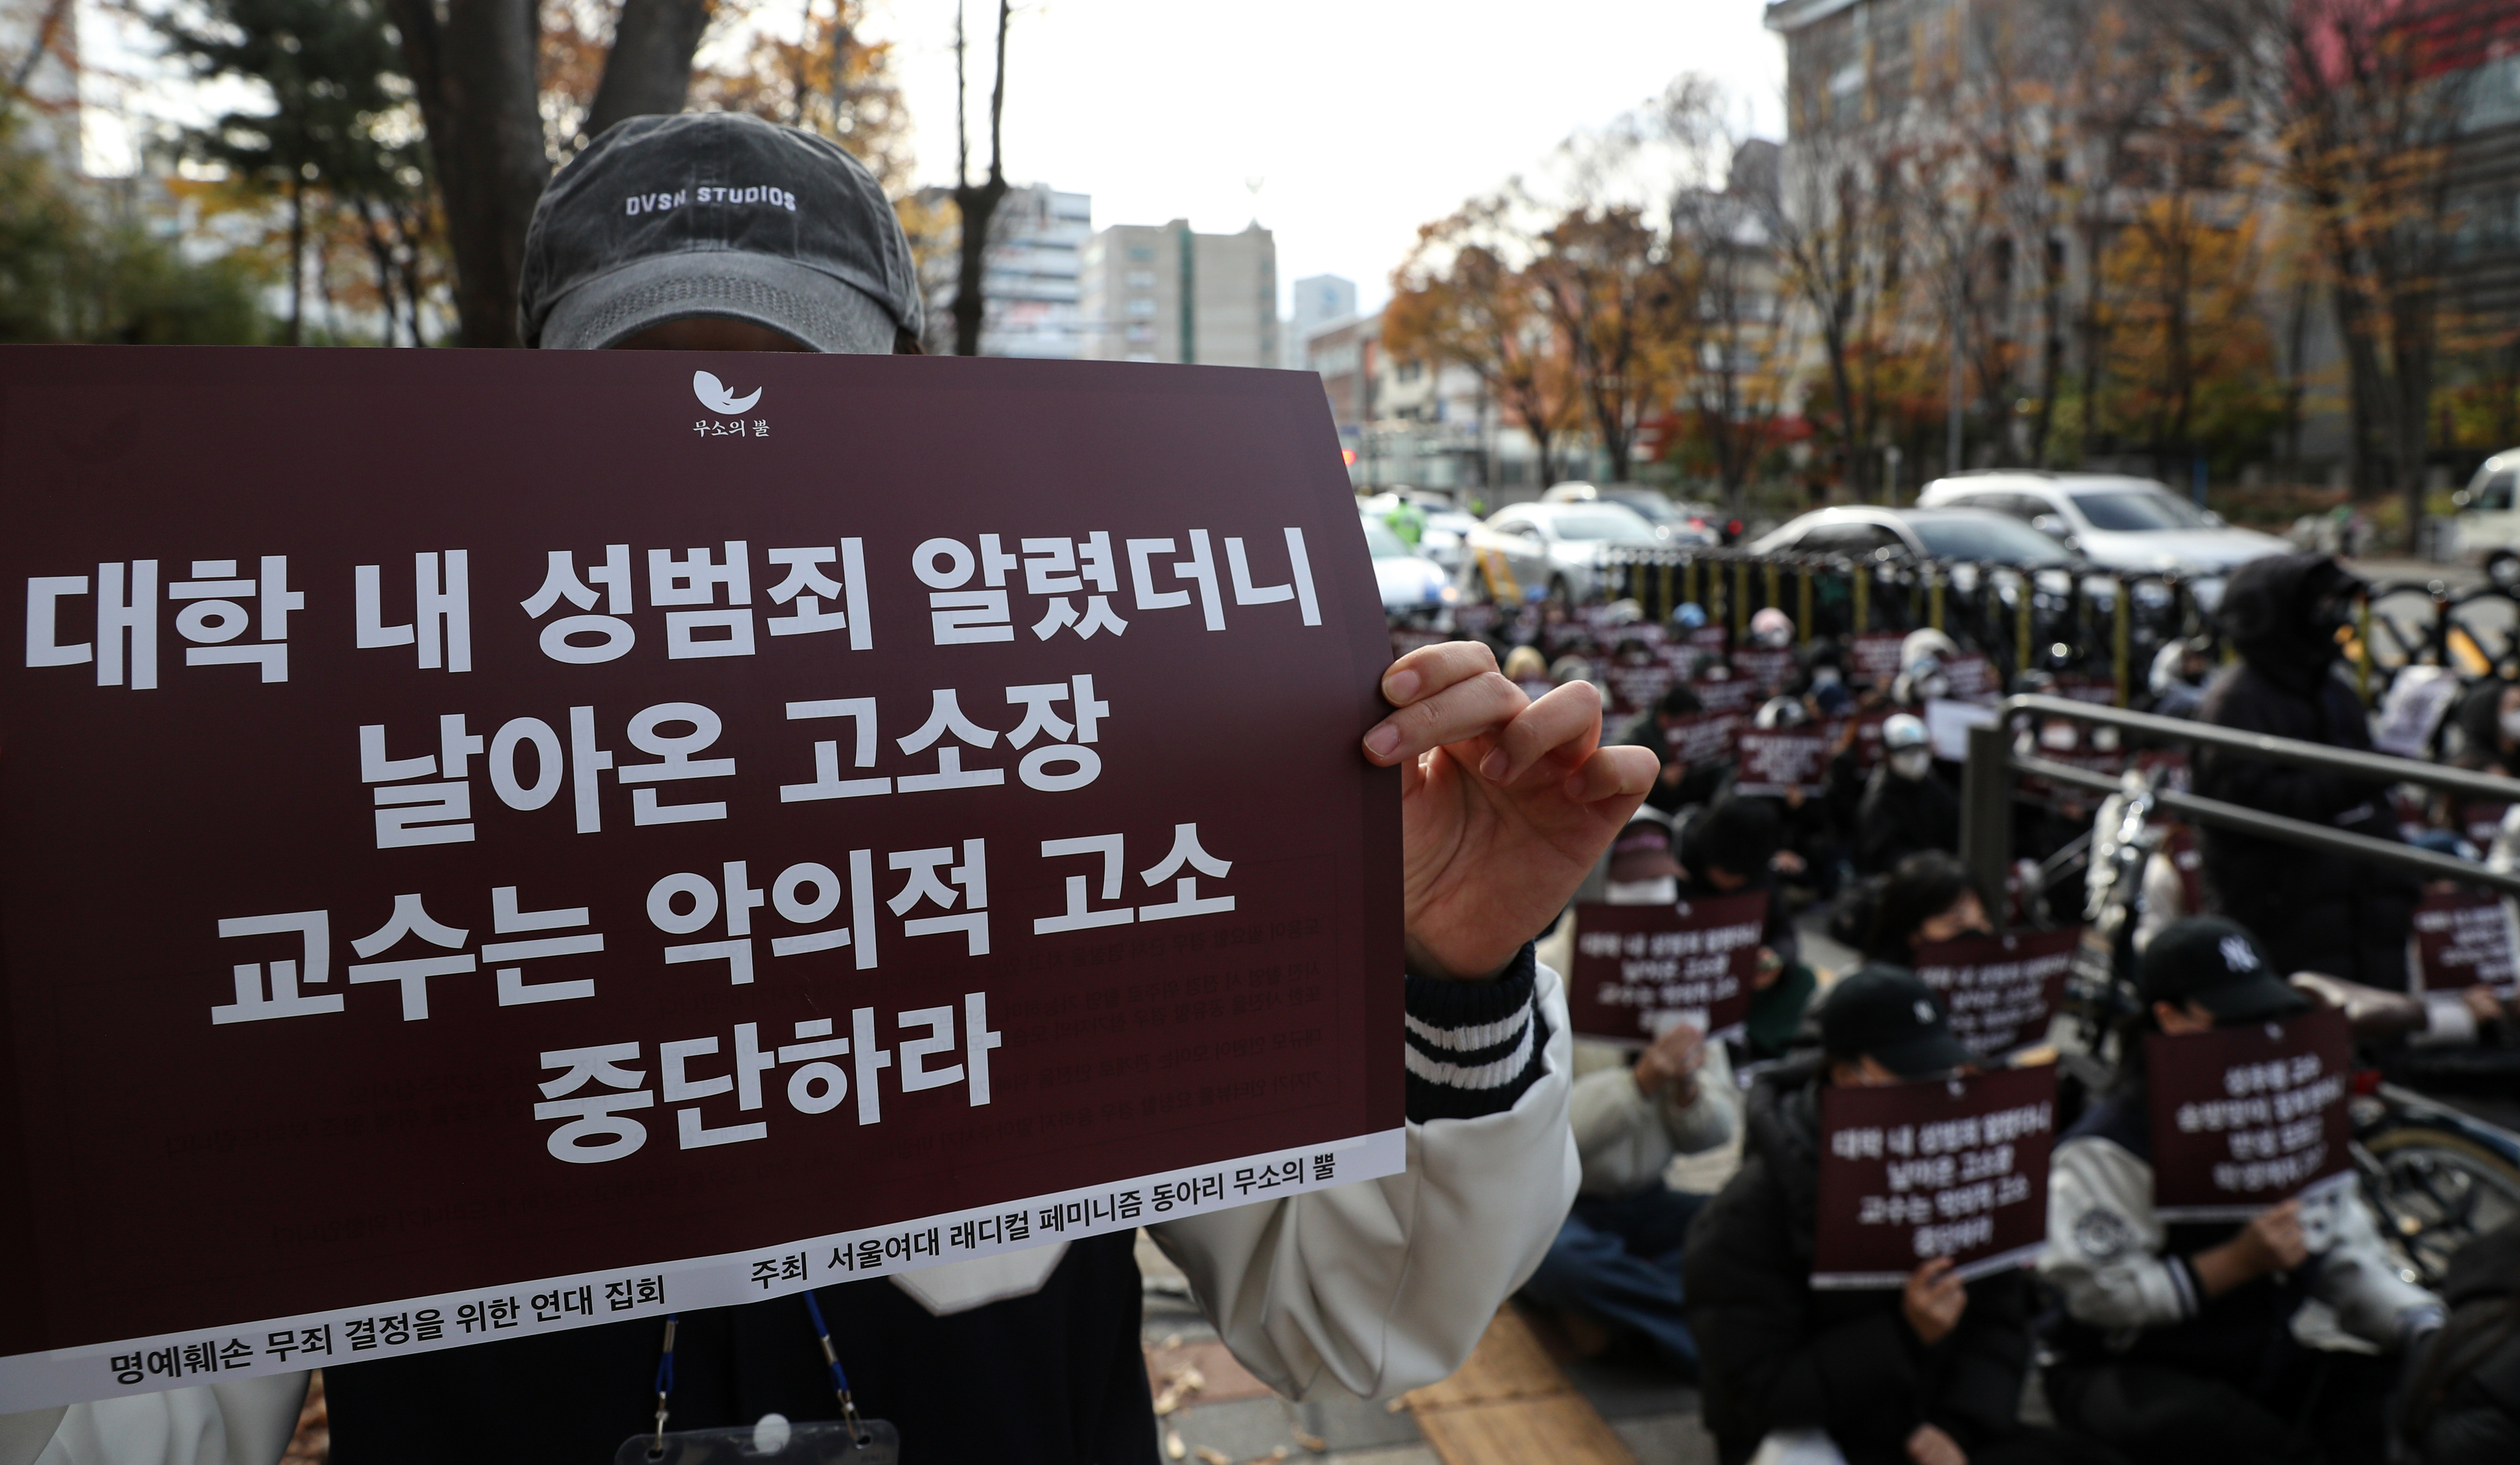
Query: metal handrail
<point x="1986" y="810"/>
<point x="2384" y="766"/>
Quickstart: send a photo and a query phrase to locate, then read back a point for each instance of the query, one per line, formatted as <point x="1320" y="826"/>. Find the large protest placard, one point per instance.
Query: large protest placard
<point x="1638" y="969"/>
<point x="642" y="842"/>
<point x="2247" y="1115"/>
<point x="2001" y="991"/>
<point x="1951" y="1167"/>
<point x="2463" y="937"/>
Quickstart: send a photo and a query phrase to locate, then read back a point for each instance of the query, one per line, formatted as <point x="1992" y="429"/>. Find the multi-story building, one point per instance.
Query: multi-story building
<point x="1168" y="294"/>
<point x="1028" y="276"/>
<point x="1320" y="300"/>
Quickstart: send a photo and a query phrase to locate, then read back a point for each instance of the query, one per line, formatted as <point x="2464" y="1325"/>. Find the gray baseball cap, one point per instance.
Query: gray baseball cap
<point x="716" y="214"/>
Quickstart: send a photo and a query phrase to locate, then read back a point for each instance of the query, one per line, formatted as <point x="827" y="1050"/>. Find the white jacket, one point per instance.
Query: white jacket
<point x="2104" y="1254"/>
<point x="1626" y="1141"/>
<point x="1362" y="1290"/>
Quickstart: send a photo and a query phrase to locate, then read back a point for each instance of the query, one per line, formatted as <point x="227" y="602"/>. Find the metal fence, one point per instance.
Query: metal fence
<point x="1991" y="774"/>
<point x="2085" y="623"/>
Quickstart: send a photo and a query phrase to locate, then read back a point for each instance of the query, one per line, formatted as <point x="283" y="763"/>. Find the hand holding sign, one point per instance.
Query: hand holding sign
<point x="1933" y="1299"/>
<point x="1505" y="803"/>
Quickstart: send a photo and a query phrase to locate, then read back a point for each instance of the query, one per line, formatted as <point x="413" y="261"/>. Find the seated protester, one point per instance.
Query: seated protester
<point x="1930" y="1374"/>
<point x="1679" y="784"/>
<point x="1615" y="1263"/>
<point x="2178" y="1336"/>
<point x="1363" y="1289"/>
<point x="1907" y="807"/>
<point x="2462" y="1403"/>
<point x="1730" y="848"/>
<point x="1931" y="896"/>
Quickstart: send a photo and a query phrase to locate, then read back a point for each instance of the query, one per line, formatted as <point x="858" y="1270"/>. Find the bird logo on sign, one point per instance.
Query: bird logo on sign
<point x="716" y="398"/>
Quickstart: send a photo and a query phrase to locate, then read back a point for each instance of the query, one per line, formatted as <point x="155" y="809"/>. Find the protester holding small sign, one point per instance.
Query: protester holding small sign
<point x="2179" y="1344"/>
<point x="1927" y="1373"/>
<point x="1906" y="806"/>
<point x="1731" y="848"/>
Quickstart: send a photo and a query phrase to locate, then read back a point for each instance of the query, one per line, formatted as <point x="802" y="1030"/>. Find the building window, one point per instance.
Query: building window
<point x="1142" y="254"/>
<point x="1140" y="305"/>
<point x="1141" y="279"/>
<point x="1142" y="336"/>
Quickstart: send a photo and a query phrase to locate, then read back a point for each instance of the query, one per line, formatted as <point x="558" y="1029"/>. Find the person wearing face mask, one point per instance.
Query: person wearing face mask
<point x="2314" y="910"/>
<point x="2179" y="1342"/>
<point x="1921" y="659"/>
<point x="1614" y="1270"/>
<point x="1680" y="783"/>
<point x="1929" y="1374"/>
<point x="1930" y="898"/>
<point x="1906" y="807"/>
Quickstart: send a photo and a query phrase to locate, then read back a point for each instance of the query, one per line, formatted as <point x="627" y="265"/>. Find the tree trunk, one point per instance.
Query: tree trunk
<point x="976" y="205"/>
<point x="476" y="82"/>
<point x="296" y="260"/>
<point x="650" y="70"/>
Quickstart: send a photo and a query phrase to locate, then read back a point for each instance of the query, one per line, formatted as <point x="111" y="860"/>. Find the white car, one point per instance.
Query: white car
<point x="1412" y="585"/>
<point x="2488" y="523"/>
<point x="1555" y="549"/>
<point x="2131" y="525"/>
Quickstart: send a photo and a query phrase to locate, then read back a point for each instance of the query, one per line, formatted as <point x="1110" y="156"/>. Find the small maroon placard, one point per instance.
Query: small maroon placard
<point x="1876" y="657"/>
<point x="2247" y="1115"/>
<point x="2001" y="991"/>
<point x="1704" y="736"/>
<point x="1951" y="1167"/>
<point x="1775" y="763"/>
<point x="2463" y="937"/>
<point x="1640" y="969"/>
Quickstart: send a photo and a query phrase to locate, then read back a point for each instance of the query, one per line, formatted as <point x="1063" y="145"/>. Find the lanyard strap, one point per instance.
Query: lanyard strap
<point x="831" y="1360"/>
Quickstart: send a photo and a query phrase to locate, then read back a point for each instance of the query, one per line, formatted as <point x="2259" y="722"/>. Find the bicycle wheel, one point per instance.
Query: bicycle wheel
<point x="2438" y="1190"/>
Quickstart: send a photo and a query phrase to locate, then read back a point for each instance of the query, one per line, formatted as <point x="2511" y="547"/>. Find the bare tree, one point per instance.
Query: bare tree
<point x="1836" y="220"/>
<point x="472" y="68"/>
<point x="977" y="204"/>
<point x="2364" y="99"/>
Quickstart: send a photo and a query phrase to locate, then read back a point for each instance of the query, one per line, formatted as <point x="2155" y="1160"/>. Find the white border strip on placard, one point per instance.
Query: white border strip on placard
<point x="39" y="1379"/>
<point x="2317" y="1189"/>
<point x="1983" y="1266"/>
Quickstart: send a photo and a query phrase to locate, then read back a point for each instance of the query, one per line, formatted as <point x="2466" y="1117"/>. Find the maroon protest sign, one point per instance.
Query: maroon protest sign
<point x="2481" y="822"/>
<point x="1704" y="736"/>
<point x="615" y="842"/>
<point x="1769" y="667"/>
<point x="1727" y="694"/>
<point x="1640" y="969"/>
<point x="2247" y="1115"/>
<point x="1639" y="688"/>
<point x="1951" y="1167"/>
<point x="2001" y="991"/>
<point x="1876" y="657"/>
<point x="1782" y="761"/>
<point x="2463" y="939"/>
<point x="1972" y="676"/>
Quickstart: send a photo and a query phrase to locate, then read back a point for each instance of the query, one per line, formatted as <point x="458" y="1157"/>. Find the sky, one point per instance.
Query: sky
<point x="1357" y="119"/>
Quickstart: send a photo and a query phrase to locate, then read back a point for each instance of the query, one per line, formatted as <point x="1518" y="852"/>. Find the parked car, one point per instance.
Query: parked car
<point x="2132" y="525"/>
<point x="1444" y="529"/>
<point x="1553" y="548"/>
<point x="2487" y="527"/>
<point x="1691" y="525"/>
<point x="1414" y="586"/>
<point x="1864" y="532"/>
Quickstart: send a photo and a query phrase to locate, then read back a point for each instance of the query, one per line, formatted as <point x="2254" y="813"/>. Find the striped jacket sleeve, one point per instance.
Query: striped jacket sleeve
<point x="1474" y="1046"/>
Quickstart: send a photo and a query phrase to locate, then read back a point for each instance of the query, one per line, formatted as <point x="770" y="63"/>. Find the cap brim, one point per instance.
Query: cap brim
<point x="1929" y="1055"/>
<point x="821" y="311"/>
<point x="2259" y="997"/>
